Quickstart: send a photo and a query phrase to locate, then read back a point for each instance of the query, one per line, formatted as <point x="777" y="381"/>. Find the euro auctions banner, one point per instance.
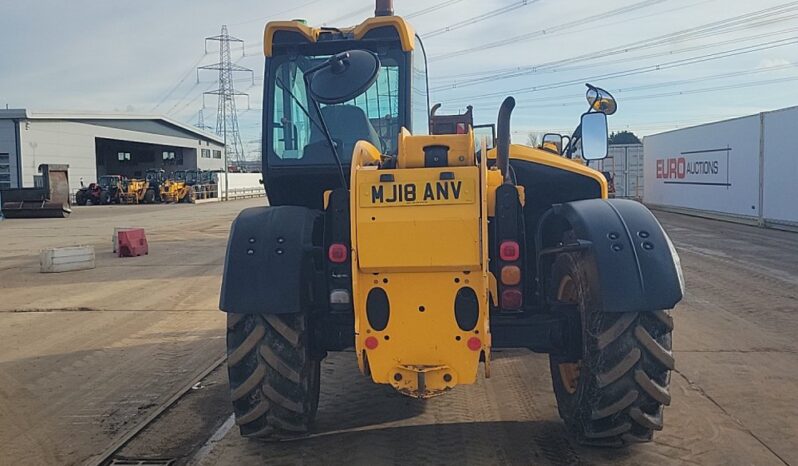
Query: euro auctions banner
<point x="713" y="167"/>
<point x="706" y="167"/>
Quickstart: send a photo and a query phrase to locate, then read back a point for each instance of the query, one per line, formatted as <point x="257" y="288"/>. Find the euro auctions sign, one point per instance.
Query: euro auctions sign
<point x="700" y="167"/>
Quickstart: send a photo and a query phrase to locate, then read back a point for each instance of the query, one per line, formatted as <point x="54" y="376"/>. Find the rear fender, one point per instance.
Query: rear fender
<point x="632" y="262"/>
<point x="269" y="264"/>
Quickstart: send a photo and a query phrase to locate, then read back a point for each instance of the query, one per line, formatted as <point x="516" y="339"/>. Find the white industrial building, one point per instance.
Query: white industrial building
<point x="100" y="144"/>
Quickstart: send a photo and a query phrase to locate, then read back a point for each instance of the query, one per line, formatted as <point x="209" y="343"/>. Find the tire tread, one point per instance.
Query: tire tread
<point x="625" y="369"/>
<point x="273" y="378"/>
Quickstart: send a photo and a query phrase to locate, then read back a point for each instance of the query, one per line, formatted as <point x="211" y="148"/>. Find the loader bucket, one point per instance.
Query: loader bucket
<point x="35" y="209"/>
<point x="51" y="200"/>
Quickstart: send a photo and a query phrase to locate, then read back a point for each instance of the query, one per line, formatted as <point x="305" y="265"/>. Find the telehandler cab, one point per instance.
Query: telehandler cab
<point x="424" y="252"/>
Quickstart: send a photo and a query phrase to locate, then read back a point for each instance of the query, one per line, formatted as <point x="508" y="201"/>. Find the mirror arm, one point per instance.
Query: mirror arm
<point x="324" y="127"/>
<point x="565" y="146"/>
<point x="572" y="140"/>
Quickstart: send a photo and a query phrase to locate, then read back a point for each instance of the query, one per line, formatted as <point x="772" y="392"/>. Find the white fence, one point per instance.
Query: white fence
<point x="625" y="162"/>
<point x="743" y="168"/>
<point x="241" y="185"/>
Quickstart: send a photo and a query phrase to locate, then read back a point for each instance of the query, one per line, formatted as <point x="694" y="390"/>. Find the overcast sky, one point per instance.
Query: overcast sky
<point x="670" y="63"/>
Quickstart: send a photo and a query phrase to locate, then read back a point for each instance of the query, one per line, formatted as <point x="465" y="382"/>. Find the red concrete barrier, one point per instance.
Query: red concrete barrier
<point x="132" y="243"/>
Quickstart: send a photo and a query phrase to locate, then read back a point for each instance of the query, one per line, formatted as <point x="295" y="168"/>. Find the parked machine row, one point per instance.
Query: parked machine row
<point x="155" y="187"/>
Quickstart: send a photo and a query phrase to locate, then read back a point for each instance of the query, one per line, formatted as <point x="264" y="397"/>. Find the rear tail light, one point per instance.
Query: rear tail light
<point x="337" y="253"/>
<point x="512" y="299"/>
<point x="371" y="343"/>
<point x="511" y="275"/>
<point x="474" y="344"/>
<point x="509" y="251"/>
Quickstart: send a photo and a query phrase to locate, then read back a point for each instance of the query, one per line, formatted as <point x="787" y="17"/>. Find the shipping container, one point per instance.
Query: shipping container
<point x="625" y="164"/>
<point x="744" y="169"/>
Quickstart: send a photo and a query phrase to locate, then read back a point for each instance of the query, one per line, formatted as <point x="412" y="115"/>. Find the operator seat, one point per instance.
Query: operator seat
<point x="348" y="124"/>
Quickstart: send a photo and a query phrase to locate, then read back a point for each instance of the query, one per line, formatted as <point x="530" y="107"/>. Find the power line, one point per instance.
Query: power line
<point x="278" y="14"/>
<point x="552" y="66"/>
<point x="603" y="25"/>
<point x="679" y="82"/>
<point x="679" y="93"/>
<point x="718" y="27"/>
<point x="695" y="32"/>
<point x="179" y="83"/>
<point x="479" y="18"/>
<point x="748" y="20"/>
<point x="544" y="32"/>
<point x="639" y="70"/>
<point x="175" y="108"/>
<point x="358" y="12"/>
<point x="431" y="9"/>
<point x="675" y="52"/>
<point x="424" y="11"/>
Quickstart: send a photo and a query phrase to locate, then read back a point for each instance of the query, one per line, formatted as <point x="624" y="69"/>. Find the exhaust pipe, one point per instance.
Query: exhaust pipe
<point x="503" y="138"/>
<point x="384" y="8"/>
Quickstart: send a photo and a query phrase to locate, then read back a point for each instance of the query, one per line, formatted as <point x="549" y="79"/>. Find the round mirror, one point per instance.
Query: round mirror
<point x="601" y="100"/>
<point x="344" y="77"/>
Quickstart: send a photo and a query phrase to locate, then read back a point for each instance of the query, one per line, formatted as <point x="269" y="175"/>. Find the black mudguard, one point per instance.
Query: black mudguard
<point x="635" y="264"/>
<point x="268" y="268"/>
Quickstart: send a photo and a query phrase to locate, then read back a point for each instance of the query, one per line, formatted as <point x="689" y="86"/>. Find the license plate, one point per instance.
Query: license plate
<point x="415" y="193"/>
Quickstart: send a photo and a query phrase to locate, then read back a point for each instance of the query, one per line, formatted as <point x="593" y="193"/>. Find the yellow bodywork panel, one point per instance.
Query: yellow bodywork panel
<point x="420" y="236"/>
<point x="543" y="157"/>
<point x="494" y="181"/>
<point x="411" y="149"/>
<point x="403" y="28"/>
<point x="311" y="34"/>
<point x="418" y="222"/>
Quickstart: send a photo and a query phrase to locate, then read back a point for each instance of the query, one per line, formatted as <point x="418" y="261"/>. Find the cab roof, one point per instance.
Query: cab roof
<point x="280" y="32"/>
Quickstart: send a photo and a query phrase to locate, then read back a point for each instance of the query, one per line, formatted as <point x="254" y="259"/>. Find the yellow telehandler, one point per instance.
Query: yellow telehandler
<point x="422" y="253"/>
<point x="136" y="191"/>
<point x="176" y="191"/>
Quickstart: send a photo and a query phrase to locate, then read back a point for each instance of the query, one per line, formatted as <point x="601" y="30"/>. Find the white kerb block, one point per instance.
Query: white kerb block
<point x="67" y="259"/>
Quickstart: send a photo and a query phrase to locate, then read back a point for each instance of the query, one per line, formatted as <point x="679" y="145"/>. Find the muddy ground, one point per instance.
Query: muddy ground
<point x="86" y="356"/>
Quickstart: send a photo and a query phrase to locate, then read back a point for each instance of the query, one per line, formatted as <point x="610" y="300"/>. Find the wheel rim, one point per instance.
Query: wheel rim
<point x="569" y="371"/>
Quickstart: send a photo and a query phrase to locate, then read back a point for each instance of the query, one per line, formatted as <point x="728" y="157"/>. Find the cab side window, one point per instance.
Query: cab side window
<point x="291" y="123"/>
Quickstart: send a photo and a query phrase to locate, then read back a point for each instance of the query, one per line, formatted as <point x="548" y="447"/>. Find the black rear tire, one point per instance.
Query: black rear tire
<point x="623" y="375"/>
<point x="80" y="198"/>
<point x="274" y="381"/>
<point x="105" y="198"/>
<point x="149" y="196"/>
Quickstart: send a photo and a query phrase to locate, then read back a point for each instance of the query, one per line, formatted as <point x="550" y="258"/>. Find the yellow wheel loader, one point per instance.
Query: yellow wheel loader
<point x="421" y="253"/>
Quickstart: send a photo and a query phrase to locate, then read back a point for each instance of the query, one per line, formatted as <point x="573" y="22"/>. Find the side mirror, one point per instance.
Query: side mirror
<point x="552" y="142"/>
<point x="594" y="136"/>
<point x="486" y="132"/>
<point x="343" y="77"/>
